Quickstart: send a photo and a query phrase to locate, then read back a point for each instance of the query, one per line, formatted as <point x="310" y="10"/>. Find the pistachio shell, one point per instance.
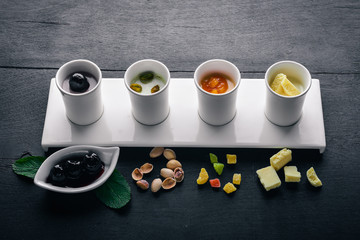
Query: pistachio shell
<point x="146" y="168"/>
<point x="179" y="174"/>
<point x="137" y="174"/>
<point x="143" y="184"/>
<point x="166" y="172"/>
<point x="169" y="154"/>
<point x="172" y="164"/>
<point x="156" y="152"/>
<point x="168" y="183"/>
<point x="156" y="185"/>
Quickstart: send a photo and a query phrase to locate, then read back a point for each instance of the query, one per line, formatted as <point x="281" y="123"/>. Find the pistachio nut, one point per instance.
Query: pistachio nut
<point x="172" y="164"/>
<point x="155" y="89"/>
<point x="168" y="183"/>
<point x="146" y="168"/>
<point x="146" y="77"/>
<point x="179" y="174"/>
<point x="156" y="185"/>
<point x="166" y="172"/>
<point x="137" y="174"/>
<point x="169" y="154"/>
<point x="136" y="87"/>
<point x="143" y="184"/>
<point x="156" y="152"/>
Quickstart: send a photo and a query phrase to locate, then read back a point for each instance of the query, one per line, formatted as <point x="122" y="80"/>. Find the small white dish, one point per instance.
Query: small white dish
<point x="109" y="155"/>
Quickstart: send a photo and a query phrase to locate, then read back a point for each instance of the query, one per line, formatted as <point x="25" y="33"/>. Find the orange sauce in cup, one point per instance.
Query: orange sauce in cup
<point x="216" y="83"/>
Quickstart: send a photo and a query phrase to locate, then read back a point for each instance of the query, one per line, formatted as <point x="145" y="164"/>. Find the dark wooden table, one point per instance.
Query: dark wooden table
<point x="37" y="37"/>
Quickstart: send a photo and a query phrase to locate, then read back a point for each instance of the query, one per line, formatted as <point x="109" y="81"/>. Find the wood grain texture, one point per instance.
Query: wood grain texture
<point x="37" y="37"/>
<point x="182" y="34"/>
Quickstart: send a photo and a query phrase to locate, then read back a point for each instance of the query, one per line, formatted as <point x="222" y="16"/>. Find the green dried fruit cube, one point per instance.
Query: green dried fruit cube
<point x="213" y="158"/>
<point x="219" y="167"/>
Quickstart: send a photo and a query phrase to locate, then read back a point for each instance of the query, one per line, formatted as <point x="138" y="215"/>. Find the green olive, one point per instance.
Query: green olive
<point x="155" y="89"/>
<point x="136" y="87"/>
<point x="146" y="77"/>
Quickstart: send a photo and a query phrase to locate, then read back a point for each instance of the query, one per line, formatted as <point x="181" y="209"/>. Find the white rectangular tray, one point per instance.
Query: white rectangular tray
<point x="183" y="127"/>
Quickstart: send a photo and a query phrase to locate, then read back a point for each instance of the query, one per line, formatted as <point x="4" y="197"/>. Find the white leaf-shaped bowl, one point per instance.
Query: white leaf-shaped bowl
<point x="109" y="155"/>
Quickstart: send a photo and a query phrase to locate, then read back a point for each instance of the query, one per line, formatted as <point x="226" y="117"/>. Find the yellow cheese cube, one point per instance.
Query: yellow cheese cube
<point x="276" y="84"/>
<point x="231" y="158"/>
<point x="280" y="159"/>
<point x="292" y="174"/>
<point x="289" y="88"/>
<point x="229" y="188"/>
<point x="268" y="178"/>
<point x="236" y="178"/>
<point x="313" y="178"/>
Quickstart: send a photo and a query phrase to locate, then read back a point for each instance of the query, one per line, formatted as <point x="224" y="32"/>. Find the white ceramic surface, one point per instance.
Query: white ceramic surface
<point x="183" y="127"/>
<point x="286" y="110"/>
<point x="82" y="108"/>
<point x="217" y="109"/>
<point x="109" y="155"/>
<point x="154" y="108"/>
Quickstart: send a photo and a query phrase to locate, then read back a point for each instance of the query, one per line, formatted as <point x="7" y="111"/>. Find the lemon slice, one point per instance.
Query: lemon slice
<point x="203" y="177"/>
<point x="313" y="178"/>
<point x="276" y="84"/>
<point x="289" y="88"/>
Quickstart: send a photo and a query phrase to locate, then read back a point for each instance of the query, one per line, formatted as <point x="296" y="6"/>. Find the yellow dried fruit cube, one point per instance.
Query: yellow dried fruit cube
<point x="229" y="188"/>
<point x="236" y="178"/>
<point x="276" y="84"/>
<point x="291" y="174"/>
<point x="231" y="158"/>
<point x="313" y="178"/>
<point x="280" y="159"/>
<point x="289" y="88"/>
<point x="268" y="178"/>
<point x="203" y="177"/>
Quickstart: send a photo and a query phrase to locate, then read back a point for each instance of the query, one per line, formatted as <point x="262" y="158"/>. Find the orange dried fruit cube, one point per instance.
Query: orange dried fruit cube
<point x="236" y="178"/>
<point x="229" y="188"/>
<point x="215" y="183"/>
<point x="231" y="158"/>
<point x="203" y="177"/>
<point x="213" y="82"/>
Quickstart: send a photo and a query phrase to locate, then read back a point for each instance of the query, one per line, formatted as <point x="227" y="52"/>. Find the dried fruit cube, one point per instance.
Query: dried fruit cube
<point x="313" y="178"/>
<point x="213" y="158"/>
<point x="280" y="159"/>
<point x="218" y="168"/>
<point x="231" y="158"/>
<point x="203" y="177"/>
<point x="229" y="188"/>
<point x="236" y="178"/>
<point x="215" y="183"/>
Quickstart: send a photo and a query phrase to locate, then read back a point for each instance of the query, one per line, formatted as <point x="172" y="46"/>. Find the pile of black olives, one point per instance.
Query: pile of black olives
<point x="78" y="171"/>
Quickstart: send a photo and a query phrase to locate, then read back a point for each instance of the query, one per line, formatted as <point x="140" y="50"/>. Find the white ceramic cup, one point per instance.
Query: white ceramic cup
<point x="81" y="108"/>
<point x="217" y="109"/>
<point x="149" y="109"/>
<point x="286" y="110"/>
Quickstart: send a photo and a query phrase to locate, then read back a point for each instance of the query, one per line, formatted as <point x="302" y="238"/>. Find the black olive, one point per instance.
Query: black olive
<point x="57" y="175"/>
<point x="73" y="169"/>
<point x="92" y="164"/>
<point x="78" y="83"/>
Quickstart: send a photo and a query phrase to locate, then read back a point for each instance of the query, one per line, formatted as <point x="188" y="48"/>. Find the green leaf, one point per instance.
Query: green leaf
<point x="115" y="192"/>
<point x="213" y="158"/>
<point x="28" y="166"/>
